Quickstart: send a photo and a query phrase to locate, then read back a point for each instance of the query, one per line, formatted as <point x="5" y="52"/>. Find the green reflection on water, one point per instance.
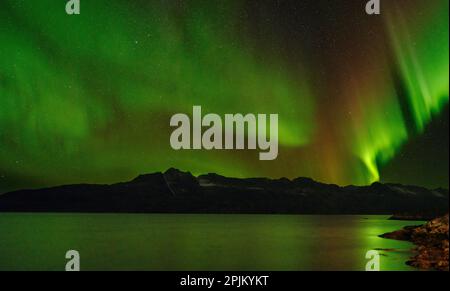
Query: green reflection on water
<point x="198" y="242"/>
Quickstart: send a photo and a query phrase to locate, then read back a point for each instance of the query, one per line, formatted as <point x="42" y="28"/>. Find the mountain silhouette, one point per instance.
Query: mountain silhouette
<point x="180" y="192"/>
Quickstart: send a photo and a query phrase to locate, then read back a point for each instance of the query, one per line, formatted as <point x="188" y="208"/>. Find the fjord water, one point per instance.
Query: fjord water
<point x="199" y="242"/>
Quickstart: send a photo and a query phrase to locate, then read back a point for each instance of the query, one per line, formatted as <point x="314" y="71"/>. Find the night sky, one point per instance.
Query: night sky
<point x="88" y="98"/>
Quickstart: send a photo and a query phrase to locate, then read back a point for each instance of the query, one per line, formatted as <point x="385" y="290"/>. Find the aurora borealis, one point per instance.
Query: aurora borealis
<point x="88" y="98"/>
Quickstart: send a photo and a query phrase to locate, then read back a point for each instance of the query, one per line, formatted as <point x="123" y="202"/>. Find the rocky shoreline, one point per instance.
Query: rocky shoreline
<point x="432" y="244"/>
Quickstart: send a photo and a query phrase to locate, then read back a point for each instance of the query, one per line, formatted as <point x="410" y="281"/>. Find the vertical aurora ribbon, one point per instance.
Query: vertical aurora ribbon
<point x="88" y="98"/>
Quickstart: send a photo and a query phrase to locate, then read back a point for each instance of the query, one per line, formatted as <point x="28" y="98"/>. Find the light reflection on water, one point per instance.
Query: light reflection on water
<point x="199" y="242"/>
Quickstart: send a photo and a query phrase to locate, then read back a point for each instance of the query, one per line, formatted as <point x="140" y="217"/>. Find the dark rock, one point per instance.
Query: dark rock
<point x="432" y="243"/>
<point x="403" y="234"/>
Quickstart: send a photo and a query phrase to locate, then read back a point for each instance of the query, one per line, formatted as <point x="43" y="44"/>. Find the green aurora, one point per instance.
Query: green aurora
<point x="88" y="98"/>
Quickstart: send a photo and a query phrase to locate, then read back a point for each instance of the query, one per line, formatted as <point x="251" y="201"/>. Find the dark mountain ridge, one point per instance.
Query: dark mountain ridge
<point x="180" y="192"/>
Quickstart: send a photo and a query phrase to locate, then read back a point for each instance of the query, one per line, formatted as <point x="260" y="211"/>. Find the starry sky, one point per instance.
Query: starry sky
<point x="88" y="98"/>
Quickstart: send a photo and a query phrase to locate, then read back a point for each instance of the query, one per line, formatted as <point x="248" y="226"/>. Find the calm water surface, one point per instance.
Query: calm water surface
<point x="198" y="242"/>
